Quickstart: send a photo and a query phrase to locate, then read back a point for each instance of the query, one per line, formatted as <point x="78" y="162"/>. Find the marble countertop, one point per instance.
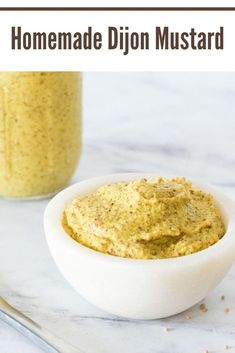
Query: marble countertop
<point x="177" y="123"/>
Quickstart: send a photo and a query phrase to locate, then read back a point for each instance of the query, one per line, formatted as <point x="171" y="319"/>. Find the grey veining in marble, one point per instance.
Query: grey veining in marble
<point x="174" y="123"/>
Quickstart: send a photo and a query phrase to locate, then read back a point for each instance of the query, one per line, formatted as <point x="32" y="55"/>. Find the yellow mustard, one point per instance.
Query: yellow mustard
<point x="40" y="131"/>
<point x="143" y="219"/>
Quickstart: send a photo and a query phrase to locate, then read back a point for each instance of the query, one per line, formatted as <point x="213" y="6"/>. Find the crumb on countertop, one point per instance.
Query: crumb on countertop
<point x="203" y="307"/>
<point x="188" y="317"/>
<point x="167" y="329"/>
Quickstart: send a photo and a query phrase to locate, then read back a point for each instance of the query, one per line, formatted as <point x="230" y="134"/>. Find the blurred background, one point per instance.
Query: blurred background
<point x="177" y="123"/>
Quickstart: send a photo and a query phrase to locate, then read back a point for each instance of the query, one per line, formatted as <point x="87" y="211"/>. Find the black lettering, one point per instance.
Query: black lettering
<point x="77" y="43"/>
<point x="144" y="40"/>
<point x="184" y="40"/>
<point x="112" y="37"/>
<point x="87" y="39"/>
<point x="219" y="39"/>
<point x="39" y="40"/>
<point x="193" y="35"/>
<point x="64" y="40"/>
<point x="202" y="42"/>
<point x="134" y="42"/>
<point x="162" y="38"/>
<point x="98" y="40"/>
<point x="52" y="40"/>
<point x="15" y="38"/>
<point x="174" y="40"/>
<point x="210" y="35"/>
<point x="27" y="40"/>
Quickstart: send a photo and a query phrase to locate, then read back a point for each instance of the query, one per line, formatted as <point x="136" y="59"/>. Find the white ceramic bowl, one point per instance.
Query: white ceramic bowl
<point x="139" y="289"/>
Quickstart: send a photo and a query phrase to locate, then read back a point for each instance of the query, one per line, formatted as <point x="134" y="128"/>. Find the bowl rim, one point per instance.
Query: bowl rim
<point x="54" y="230"/>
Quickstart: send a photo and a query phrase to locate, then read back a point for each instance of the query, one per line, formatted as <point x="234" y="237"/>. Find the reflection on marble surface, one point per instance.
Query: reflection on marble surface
<point x="168" y="123"/>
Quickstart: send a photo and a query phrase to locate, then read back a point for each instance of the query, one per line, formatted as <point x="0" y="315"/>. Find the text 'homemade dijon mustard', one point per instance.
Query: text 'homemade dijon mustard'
<point x="144" y="219"/>
<point x="40" y="131"/>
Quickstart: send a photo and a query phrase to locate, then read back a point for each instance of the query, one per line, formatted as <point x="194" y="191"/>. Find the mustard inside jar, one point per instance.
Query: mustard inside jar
<point x="40" y="131"/>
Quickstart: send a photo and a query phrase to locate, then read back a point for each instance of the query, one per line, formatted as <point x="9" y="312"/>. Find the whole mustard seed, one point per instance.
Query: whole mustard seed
<point x="40" y="128"/>
<point x="203" y="308"/>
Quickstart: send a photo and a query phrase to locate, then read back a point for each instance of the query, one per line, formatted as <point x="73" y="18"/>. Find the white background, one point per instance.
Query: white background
<point x="106" y="60"/>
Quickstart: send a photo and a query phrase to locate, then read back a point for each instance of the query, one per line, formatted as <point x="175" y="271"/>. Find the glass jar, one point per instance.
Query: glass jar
<point x="40" y="131"/>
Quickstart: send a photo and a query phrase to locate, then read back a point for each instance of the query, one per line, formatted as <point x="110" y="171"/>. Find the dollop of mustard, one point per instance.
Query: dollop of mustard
<point x="144" y="219"/>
